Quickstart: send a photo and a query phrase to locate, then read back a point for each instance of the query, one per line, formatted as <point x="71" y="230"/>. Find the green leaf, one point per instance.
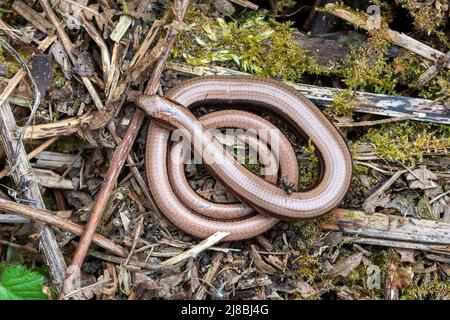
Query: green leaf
<point x="18" y="283"/>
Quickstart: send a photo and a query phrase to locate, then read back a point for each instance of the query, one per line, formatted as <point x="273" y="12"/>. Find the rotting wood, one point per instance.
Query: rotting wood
<point x="379" y="104"/>
<point x="328" y="50"/>
<point x="434" y="248"/>
<point x="131" y="262"/>
<point x="395" y="231"/>
<point x="60" y="128"/>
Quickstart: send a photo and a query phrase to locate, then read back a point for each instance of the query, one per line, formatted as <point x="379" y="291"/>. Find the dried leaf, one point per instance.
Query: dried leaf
<point x="422" y="178"/>
<point x="84" y="64"/>
<point x="345" y="266"/>
<point x="305" y="290"/>
<point x="42" y="72"/>
<point x="374" y="201"/>
<point x="169" y="283"/>
<point x="260" y="264"/>
<point x="406" y="255"/>
<point x="400" y="277"/>
<point x="145" y="287"/>
<point x="62" y="59"/>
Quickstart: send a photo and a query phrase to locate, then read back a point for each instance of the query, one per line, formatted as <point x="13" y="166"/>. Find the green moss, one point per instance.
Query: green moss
<point x="309" y="170"/>
<point x="310" y="267"/>
<point x="257" y="45"/>
<point x="368" y="68"/>
<point x="281" y="6"/>
<point x="343" y="103"/>
<point x="12" y="65"/>
<point x="68" y="144"/>
<point x="310" y="231"/>
<point x="123" y="5"/>
<point x="351" y="214"/>
<point x="408" y="141"/>
<point x="59" y="79"/>
<point x="428" y="17"/>
<point x="428" y="286"/>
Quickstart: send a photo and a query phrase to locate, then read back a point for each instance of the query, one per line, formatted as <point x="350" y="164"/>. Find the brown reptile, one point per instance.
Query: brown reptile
<point x="202" y="218"/>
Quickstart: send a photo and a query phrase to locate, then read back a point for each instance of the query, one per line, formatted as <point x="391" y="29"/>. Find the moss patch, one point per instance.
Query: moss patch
<point x="407" y="142"/>
<point x="257" y="45"/>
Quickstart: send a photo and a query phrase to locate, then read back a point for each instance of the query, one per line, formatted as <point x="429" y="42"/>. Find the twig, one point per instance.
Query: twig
<point x="13" y="218"/>
<point x="106" y="58"/>
<point x="37" y="93"/>
<point x="372" y="123"/>
<point x="312" y="14"/>
<point x="368" y="203"/>
<point x="246" y="4"/>
<point x="118" y="160"/>
<point x="439" y="196"/>
<point x="51" y="219"/>
<point x="210" y="274"/>
<point x="33" y="17"/>
<point x="68" y="46"/>
<point x="431" y="72"/>
<point x="136" y="238"/>
<point x="397" y="38"/>
<point x="194" y="251"/>
<point x="391" y="230"/>
<point x="31" y="155"/>
<point x="19" y="247"/>
<point x="61" y="128"/>
<point x="121" y="261"/>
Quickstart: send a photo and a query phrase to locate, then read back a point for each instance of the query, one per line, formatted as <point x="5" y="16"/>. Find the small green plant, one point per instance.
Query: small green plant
<point x="256" y="44"/>
<point x="409" y="141"/>
<point x="19" y="283"/>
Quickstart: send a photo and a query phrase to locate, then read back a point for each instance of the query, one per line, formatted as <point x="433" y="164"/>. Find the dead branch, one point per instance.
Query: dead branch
<point x="194" y="251"/>
<point x="392" y="231"/>
<point x="380" y="104"/>
<point x="33" y="17"/>
<point x="44" y="216"/>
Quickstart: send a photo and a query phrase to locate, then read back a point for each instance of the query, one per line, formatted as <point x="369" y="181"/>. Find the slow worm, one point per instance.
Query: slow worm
<point x="269" y="200"/>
